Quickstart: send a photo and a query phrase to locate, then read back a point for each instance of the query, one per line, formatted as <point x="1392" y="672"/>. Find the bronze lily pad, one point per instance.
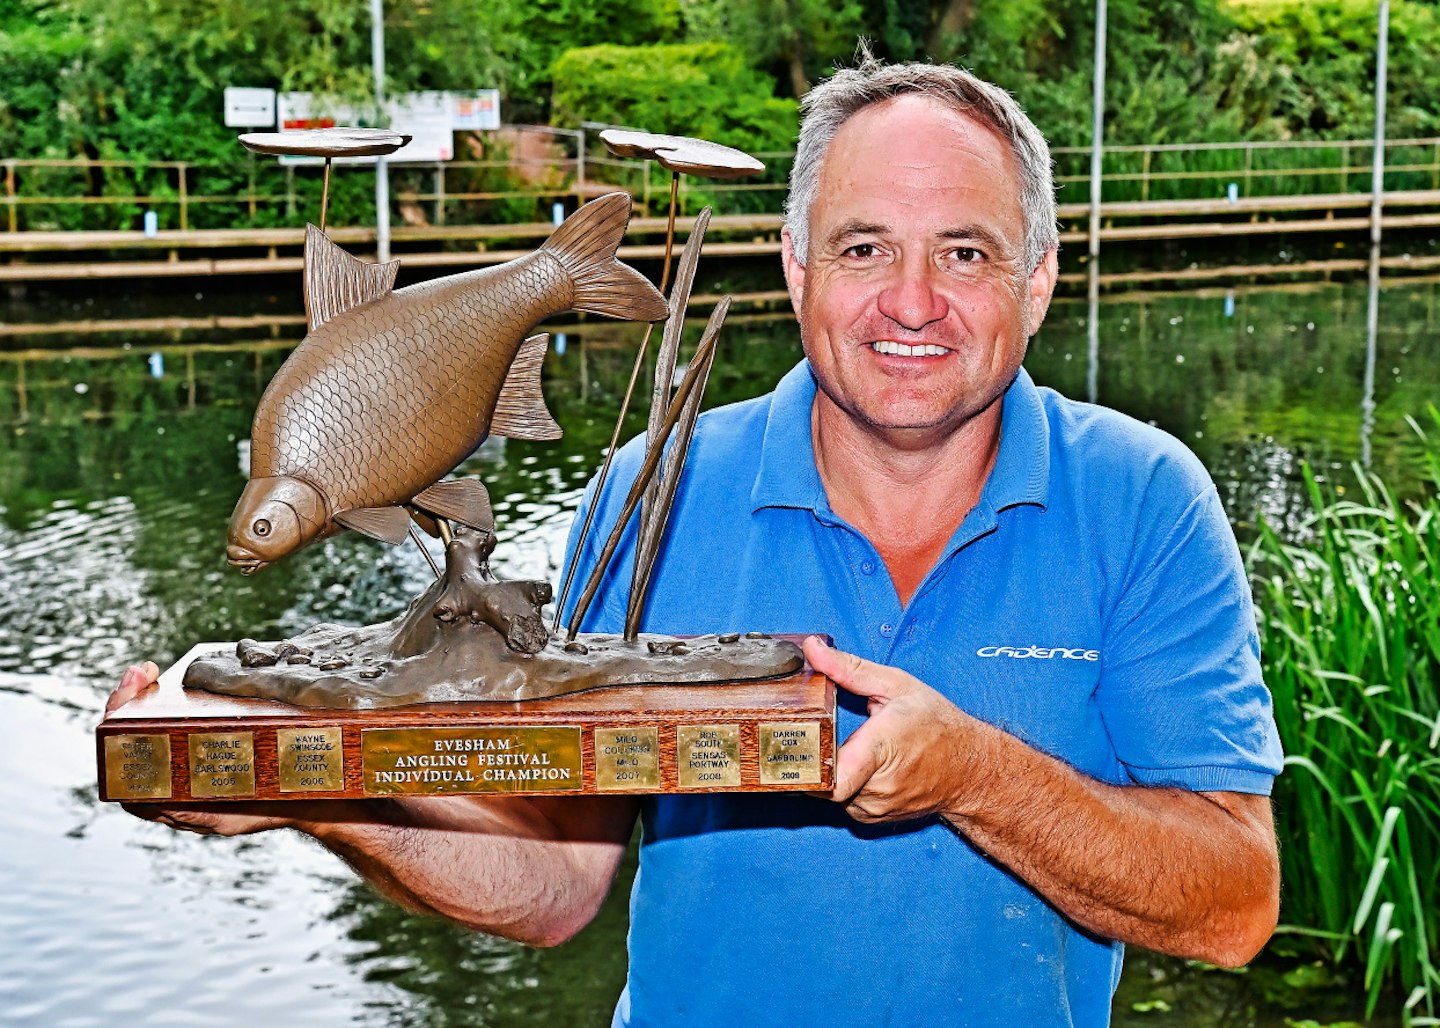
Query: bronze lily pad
<point x="682" y="153"/>
<point x="326" y="142"/>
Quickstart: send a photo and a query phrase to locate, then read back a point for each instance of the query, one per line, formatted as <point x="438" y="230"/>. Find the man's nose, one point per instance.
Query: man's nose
<point x="910" y="298"/>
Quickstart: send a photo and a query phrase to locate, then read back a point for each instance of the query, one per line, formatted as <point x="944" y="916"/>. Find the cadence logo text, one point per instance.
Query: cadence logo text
<point x="1038" y="652"/>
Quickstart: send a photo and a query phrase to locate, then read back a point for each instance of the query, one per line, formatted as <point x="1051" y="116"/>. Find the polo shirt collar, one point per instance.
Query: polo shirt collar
<point x="788" y="476"/>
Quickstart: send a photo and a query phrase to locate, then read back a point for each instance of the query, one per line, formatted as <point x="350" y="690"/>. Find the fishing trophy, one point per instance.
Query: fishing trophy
<point x="468" y="691"/>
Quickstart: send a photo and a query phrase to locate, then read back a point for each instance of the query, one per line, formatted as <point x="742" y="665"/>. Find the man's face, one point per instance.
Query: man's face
<point x="914" y="303"/>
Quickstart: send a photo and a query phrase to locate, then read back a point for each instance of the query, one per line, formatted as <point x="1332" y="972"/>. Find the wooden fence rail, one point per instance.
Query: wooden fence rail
<point x="38" y="192"/>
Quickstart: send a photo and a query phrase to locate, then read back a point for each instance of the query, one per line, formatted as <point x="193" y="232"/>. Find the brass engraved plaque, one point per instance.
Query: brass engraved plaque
<point x="708" y="756"/>
<point x="137" y="767"/>
<point x="790" y="753"/>
<point x="435" y="761"/>
<point x="222" y="764"/>
<point x="627" y="758"/>
<point x="311" y="759"/>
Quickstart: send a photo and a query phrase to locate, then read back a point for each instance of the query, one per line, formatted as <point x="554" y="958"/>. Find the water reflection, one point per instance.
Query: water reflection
<point x="1372" y="332"/>
<point x="114" y="501"/>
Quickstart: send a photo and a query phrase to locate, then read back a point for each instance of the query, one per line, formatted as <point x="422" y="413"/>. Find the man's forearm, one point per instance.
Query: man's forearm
<point x="1191" y="874"/>
<point x="530" y="870"/>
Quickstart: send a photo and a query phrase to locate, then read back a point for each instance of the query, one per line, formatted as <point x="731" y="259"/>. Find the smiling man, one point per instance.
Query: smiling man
<point x="1055" y="736"/>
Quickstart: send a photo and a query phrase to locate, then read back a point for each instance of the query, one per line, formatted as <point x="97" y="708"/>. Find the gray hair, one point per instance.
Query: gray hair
<point x="850" y="90"/>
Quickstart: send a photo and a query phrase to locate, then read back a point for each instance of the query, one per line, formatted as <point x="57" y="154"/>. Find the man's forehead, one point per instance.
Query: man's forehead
<point x="915" y="151"/>
<point x="918" y="130"/>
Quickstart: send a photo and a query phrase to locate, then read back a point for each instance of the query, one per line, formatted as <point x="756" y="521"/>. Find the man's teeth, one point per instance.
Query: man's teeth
<point x="895" y="349"/>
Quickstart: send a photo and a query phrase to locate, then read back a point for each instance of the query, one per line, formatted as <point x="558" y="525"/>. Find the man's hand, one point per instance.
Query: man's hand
<point x="136" y="679"/>
<point x="1192" y="874"/>
<point x="534" y="869"/>
<point x="203" y="819"/>
<point x="913" y="757"/>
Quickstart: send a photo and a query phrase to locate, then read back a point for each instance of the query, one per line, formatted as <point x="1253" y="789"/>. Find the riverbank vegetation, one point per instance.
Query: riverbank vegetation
<point x="141" y="80"/>
<point x="1351" y="617"/>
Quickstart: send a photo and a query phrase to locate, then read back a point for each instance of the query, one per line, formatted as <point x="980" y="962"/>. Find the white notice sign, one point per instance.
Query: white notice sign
<point x="476" y="110"/>
<point x="249" y="107"/>
<point x="424" y="116"/>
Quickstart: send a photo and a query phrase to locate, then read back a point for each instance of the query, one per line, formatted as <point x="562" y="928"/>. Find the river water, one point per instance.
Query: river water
<point x="120" y="458"/>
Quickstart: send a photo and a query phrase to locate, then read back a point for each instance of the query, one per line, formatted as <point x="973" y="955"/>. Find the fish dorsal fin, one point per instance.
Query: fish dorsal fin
<point x="336" y="281"/>
<point x="387" y="524"/>
<point x="460" y="499"/>
<point x="520" y="412"/>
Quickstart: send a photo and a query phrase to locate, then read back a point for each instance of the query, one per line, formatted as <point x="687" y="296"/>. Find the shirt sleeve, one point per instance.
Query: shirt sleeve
<point x="1180" y="688"/>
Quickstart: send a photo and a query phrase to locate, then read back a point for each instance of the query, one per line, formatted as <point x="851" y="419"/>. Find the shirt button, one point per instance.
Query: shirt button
<point x="867" y="567"/>
<point x="887" y="630"/>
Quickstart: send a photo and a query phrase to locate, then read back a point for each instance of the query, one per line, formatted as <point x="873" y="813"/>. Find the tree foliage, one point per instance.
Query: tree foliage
<point x="1321" y="56"/>
<point x="794" y="41"/>
<point x="142" y="79"/>
<point x="698" y="89"/>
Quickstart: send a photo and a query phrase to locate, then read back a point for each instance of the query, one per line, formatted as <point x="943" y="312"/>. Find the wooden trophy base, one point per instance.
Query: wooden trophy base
<point x="175" y="745"/>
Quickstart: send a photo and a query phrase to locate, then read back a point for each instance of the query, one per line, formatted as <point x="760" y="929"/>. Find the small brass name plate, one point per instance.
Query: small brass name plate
<point x="708" y="756"/>
<point x="627" y="758"/>
<point x="311" y="759"/>
<point x="222" y="764"/>
<point x="434" y="761"/>
<point x="790" y="753"/>
<point x="137" y="767"/>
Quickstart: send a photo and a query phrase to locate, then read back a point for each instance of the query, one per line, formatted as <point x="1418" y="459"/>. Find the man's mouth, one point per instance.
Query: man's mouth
<point x="890" y="348"/>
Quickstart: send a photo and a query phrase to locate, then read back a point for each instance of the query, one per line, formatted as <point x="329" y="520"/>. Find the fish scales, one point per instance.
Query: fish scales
<point x="392" y="389"/>
<point x="418" y="398"/>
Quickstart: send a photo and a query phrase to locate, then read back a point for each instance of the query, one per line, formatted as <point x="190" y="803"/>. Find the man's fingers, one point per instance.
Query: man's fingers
<point x="860" y="676"/>
<point x="136" y="678"/>
<point x="855" y="763"/>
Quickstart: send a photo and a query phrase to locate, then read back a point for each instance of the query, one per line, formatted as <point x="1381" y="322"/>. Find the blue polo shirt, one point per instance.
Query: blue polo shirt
<point x="1092" y="604"/>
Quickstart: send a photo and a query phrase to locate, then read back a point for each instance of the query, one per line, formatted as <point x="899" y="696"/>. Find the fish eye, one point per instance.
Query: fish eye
<point x="261" y="527"/>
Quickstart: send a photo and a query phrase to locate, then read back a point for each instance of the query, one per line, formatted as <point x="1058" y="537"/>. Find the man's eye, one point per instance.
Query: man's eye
<point x="864" y="251"/>
<point x="967" y="254"/>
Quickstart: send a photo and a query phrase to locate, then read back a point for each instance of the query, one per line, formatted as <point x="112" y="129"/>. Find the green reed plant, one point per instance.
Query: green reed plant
<point x="1350" y="620"/>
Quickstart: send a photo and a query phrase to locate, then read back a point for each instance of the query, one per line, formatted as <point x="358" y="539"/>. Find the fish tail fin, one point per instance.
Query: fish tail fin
<point x="585" y="244"/>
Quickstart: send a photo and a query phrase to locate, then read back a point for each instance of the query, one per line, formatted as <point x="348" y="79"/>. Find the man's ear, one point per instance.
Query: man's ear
<point x="1040" y="287"/>
<point x="794" y="270"/>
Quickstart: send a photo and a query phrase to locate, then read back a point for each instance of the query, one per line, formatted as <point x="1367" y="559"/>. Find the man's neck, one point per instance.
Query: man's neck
<point x="907" y="492"/>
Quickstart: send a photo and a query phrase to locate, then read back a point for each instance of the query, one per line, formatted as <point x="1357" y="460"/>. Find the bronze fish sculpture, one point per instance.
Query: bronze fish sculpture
<point x="391" y="389"/>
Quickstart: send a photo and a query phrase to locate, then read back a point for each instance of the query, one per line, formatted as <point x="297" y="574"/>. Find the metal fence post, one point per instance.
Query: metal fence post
<point x="1097" y="129"/>
<point x="1377" y="164"/>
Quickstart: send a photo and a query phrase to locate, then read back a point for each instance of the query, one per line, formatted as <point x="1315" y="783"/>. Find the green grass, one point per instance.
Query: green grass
<point x="1350" y="618"/>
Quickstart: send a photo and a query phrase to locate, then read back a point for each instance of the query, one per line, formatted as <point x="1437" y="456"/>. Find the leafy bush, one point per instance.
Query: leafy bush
<point x="1320" y="55"/>
<point x="690" y="89"/>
